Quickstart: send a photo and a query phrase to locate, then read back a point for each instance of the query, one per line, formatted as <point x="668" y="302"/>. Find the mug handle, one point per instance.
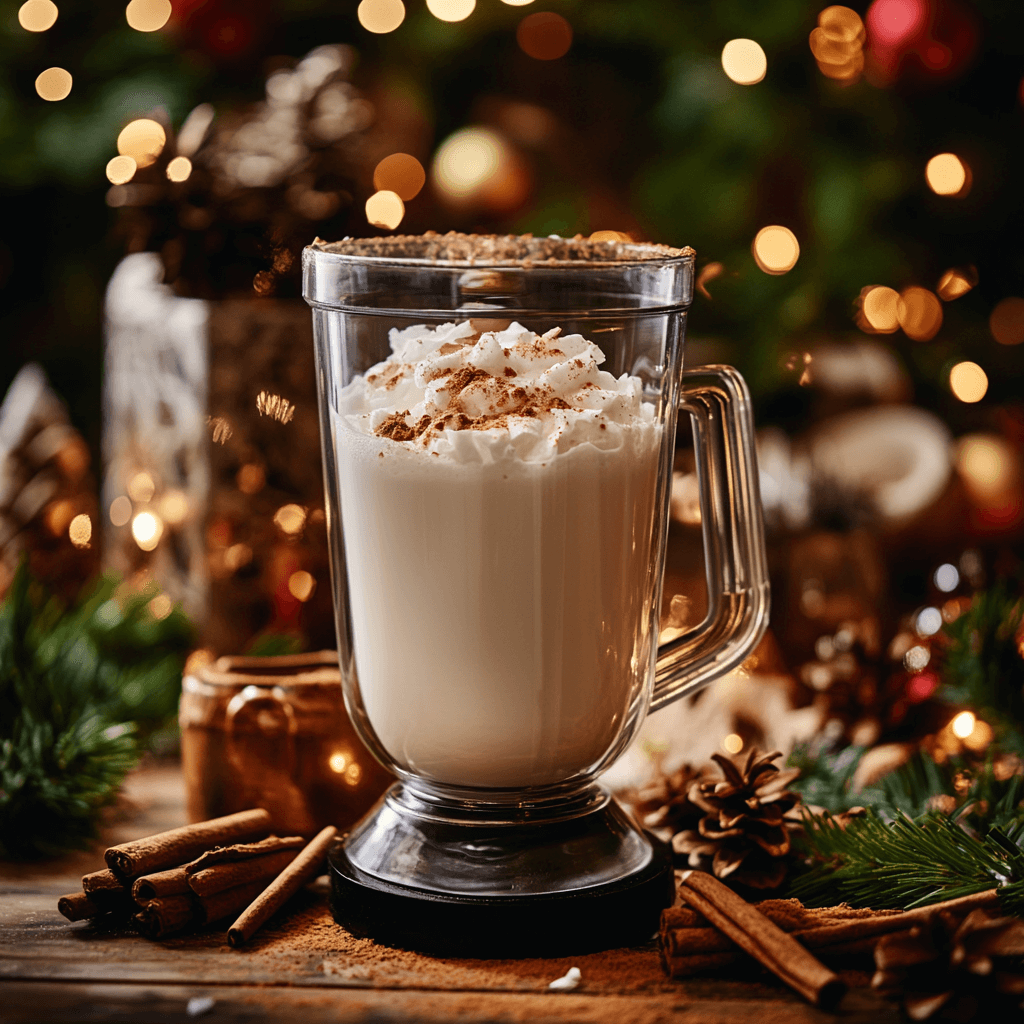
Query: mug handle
<point x="255" y="699"/>
<point x="717" y="399"/>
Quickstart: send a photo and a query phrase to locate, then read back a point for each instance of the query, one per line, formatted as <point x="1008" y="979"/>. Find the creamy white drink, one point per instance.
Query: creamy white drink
<point x="497" y="494"/>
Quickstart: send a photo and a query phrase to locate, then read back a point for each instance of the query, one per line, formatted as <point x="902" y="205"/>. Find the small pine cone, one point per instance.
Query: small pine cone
<point x="744" y="832"/>
<point x="953" y="969"/>
<point x="663" y="805"/>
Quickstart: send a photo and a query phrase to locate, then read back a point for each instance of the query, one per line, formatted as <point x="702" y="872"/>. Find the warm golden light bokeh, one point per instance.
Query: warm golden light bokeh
<point x="337" y="762"/>
<point x="744" y="62"/>
<point x="517" y="3"/>
<point x="147" y="530"/>
<point x="277" y="407"/>
<point x="54" y="84"/>
<point x="987" y="464"/>
<point x="475" y="165"/>
<point x="919" y="313"/>
<point x="141" y="487"/>
<point x="121" y="510"/>
<point x="381" y="16"/>
<point x="148" y="15"/>
<point x="775" y="249"/>
<point x="946" y="174"/>
<point x="385" y="210"/>
<point x="837" y="44"/>
<point x="544" y="35"/>
<point x="451" y="10"/>
<point x="179" y="169"/>
<point x="161" y="606"/>
<point x="290" y="519"/>
<point x="955" y="282"/>
<point x="80" y="531"/>
<point x="842" y="23"/>
<point x="37" y="15"/>
<point x="251" y="478"/>
<point x="142" y="139"/>
<point x="400" y="173"/>
<point x="609" y="236"/>
<point x="879" y="309"/>
<point x="968" y="382"/>
<point x="1006" y="321"/>
<point x="237" y="556"/>
<point x="301" y="585"/>
<point x="173" y="507"/>
<point x="963" y="725"/>
<point x="733" y="743"/>
<point x="121" y="169"/>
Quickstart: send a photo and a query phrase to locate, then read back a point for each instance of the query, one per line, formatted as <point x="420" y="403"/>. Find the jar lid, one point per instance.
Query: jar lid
<point x="312" y="669"/>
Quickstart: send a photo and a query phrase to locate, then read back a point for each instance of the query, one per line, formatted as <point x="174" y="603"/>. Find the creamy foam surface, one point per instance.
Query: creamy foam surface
<point x="497" y="496"/>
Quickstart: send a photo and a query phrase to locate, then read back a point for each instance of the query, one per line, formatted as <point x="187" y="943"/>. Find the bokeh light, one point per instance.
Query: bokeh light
<point x="986" y="462"/>
<point x="928" y="622"/>
<point x="385" y="210"/>
<point x="879" y="309"/>
<point x="451" y="10"/>
<point x="400" y="173"/>
<point x="237" y="556"/>
<point x="843" y="23"/>
<point x="141" y="487"/>
<point x="148" y="15"/>
<point x="956" y="281"/>
<point x="946" y="174"/>
<point x="80" y="531"/>
<point x="968" y="382"/>
<point x="161" y="606"/>
<point x="37" y="15"/>
<point x="1006" y="322"/>
<point x="121" y="169"/>
<point x="947" y="577"/>
<point x="179" y="169"/>
<point x="174" y="507"/>
<point x="892" y="22"/>
<point x="143" y="140"/>
<point x="251" y="478"/>
<point x="744" y="61"/>
<point x="610" y="236"/>
<point x="121" y="510"/>
<point x="919" y="313"/>
<point x="301" y="585"/>
<point x="473" y="166"/>
<point x="963" y="725"/>
<point x="544" y="35"/>
<point x="732" y="743"/>
<point x="147" y="529"/>
<point x="381" y="16"/>
<point x="290" y="519"/>
<point x="837" y="43"/>
<point x="775" y="249"/>
<point x="54" y="84"/>
<point x="337" y="762"/>
<point x="517" y="3"/>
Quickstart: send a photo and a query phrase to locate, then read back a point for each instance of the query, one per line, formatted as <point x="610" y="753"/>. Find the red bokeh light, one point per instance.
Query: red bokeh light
<point x="892" y="22"/>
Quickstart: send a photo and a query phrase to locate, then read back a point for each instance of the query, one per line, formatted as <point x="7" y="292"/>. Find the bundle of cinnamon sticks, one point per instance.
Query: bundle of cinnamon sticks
<point x="199" y="874"/>
<point x="716" y="928"/>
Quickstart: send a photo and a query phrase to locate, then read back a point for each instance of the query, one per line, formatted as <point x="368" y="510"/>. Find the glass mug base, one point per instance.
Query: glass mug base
<point x="548" y="887"/>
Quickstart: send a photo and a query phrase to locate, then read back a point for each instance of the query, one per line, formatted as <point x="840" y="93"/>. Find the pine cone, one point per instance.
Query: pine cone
<point x="744" y="834"/>
<point x="955" y="970"/>
<point x="663" y="805"/>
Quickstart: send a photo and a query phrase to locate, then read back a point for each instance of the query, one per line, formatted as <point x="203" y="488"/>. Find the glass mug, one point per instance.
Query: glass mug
<point x="498" y="612"/>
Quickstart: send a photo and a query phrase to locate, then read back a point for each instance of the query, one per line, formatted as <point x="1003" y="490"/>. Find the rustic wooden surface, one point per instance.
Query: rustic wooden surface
<point x="52" y="970"/>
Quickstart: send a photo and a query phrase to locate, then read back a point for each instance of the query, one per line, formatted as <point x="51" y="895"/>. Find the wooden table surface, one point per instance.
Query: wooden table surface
<point x="52" y="970"/>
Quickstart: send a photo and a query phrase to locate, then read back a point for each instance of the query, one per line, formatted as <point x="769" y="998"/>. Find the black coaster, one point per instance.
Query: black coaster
<point x="621" y="913"/>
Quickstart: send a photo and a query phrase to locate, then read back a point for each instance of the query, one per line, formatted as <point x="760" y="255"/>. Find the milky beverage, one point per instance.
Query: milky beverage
<point x="497" y="494"/>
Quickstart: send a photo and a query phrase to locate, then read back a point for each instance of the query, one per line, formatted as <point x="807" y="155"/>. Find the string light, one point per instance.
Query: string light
<point x="385" y="210"/>
<point x="80" y="531"/>
<point x="968" y="382"/>
<point x="451" y="10"/>
<point x="337" y="762"/>
<point x="220" y="429"/>
<point x="946" y="577"/>
<point x="142" y="139"/>
<point x="179" y="169"/>
<point x="946" y="175"/>
<point x="381" y="16"/>
<point x="120" y="510"/>
<point x="838" y="44"/>
<point x="544" y="35"/>
<point x="148" y="15"/>
<point x="919" y="313"/>
<point x="121" y="169"/>
<point x="879" y="309"/>
<point x="147" y="529"/>
<point x="963" y="725"/>
<point x="290" y="519"/>
<point x="986" y="463"/>
<point x="54" y="84"/>
<point x="775" y="249"/>
<point x="955" y="282"/>
<point x="744" y="62"/>
<point x="928" y="622"/>
<point x="301" y="585"/>
<point x="1006" y="322"/>
<point x="353" y="773"/>
<point x="732" y="743"/>
<point x="37" y="15"/>
<point x="400" y="173"/>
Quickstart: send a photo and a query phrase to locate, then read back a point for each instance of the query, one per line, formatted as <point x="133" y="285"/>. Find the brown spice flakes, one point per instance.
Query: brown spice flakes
<point x="509" y="372"/>
<point x="397" y="429"/>
<point x="461" y="379"/>
<point x="448" y="348"/>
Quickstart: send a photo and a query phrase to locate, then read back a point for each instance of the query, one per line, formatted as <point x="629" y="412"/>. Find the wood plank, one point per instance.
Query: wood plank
<point x="36" y="1002"/>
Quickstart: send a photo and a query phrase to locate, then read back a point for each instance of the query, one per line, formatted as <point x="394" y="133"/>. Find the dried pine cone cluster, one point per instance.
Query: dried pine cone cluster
<point x="737" y="827"/>
<point x="955" y="970"/>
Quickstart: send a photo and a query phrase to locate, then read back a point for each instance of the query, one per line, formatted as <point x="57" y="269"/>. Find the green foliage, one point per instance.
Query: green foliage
<point x="79" y="691"/>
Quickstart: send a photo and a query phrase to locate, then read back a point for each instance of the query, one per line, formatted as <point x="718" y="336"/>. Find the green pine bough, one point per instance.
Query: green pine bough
<point x="81" y="690"/>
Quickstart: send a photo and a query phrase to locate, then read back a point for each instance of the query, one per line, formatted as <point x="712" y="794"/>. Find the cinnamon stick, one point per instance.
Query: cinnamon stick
<point x="172" y="882"/>
<point x="231" y="901"/>
<point x="762" y="939"/>
<point x="167" y="915"/>
<point x="303" y="869"/>
<point x="685" y="965"/>
<point x="212" y="880"/>
<point x="169" y="849"/>
<point x="76" y="906"/>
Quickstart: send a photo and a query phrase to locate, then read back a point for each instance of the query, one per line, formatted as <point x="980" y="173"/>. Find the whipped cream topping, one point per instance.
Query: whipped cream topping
<point x="474" y="395"/>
